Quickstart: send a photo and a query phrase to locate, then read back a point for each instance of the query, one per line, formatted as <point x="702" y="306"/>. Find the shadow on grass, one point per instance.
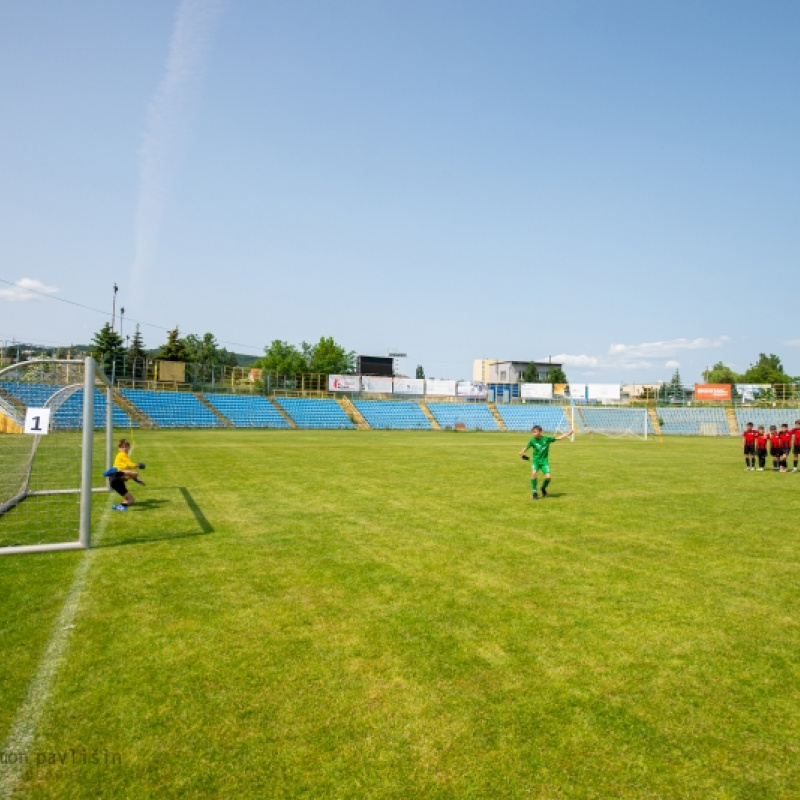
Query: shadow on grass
<point x="200" y="518"/>
<point x="205" y="525"/>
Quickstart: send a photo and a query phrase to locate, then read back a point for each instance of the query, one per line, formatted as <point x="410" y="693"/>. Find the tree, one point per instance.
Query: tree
<point x="207" y="351"/>
<point x="282" y="358"/>
<point x="721" y="373"/>
<point x="107" y="347"/>
<point x="768" y="369"/>
<point x="136" y="350"/>
<point x="329" y="358"/>
<point x="556" y="375"/>
<point x="674" y="389"/>
<point x="420" y="371"/>
<point x="137" y="355"/>
<point x="530" y="374"/>
<point x="174" y="349"/>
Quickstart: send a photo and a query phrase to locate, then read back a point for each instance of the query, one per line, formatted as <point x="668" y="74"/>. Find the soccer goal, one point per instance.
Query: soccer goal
<point x="615" y="422"/>
<point x="49" y="410"/>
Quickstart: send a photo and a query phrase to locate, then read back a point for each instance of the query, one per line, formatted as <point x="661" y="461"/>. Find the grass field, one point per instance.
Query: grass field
<point x="367" y="614"/>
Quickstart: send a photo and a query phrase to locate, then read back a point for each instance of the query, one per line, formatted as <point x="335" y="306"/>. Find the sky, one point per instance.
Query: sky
<point x="615" y="185"/>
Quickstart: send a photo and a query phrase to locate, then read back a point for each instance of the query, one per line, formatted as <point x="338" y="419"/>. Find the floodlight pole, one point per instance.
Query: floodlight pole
<point x="114" y="306"/>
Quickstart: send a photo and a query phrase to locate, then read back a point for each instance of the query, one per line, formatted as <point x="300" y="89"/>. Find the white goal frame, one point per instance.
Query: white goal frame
<point x="639" y="431"/>
<point x="92" y="375"/>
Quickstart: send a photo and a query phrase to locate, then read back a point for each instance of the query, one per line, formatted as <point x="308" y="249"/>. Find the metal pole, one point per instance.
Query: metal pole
<point x="109" y="426"/>
<point x="85" y="532"/>
<point x="114" y="307"/>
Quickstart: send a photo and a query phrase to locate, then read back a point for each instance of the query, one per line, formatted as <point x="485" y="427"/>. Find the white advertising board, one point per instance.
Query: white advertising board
<point x="536" y="391"/>
<point x="440" y="388"/>
<point x="376" y="385"/>
<point x="577" y="391"/>
<point x="604" y="391"/>
<point x="344" y="383"/>
<point x="409" y="386"/>
<point x="471" y="389"/>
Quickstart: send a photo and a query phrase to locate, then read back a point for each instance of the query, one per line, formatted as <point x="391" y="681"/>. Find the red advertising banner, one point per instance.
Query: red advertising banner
<point x="712" y="391"/>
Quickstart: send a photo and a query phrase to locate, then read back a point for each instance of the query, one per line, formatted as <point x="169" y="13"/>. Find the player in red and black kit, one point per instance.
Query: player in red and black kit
<point x="775" y="447"/>
<point x="786" y="444"/>
<point x="761" y="447"/>
<point x="796" y="436"/>
<point x="749" y="438"/>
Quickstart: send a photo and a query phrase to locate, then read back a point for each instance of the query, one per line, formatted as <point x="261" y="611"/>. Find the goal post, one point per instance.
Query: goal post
<point x="48" y="454"/>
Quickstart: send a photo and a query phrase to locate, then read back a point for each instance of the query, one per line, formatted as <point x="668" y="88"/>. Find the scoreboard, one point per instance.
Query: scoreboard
<point x="376" y="365"/>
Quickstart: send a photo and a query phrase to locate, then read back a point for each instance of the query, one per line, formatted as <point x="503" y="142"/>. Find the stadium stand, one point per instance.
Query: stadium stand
<point x="766" y="417"/>
<point x="70" y="414"/>
<point x="247" y="411"/>
<point x="172" y="409"/>
<point x="616" y="420"/>
<point x="693" y="421"/>
<point x="393" y="415"/>
<point x="308" y="413"/>
<point x="524" y="417"/>
<point x="474" y="416"/>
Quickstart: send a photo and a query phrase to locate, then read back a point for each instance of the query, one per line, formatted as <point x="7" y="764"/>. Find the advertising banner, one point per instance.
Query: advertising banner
<point x="603" y="391"/>
<point x="344" y="383"/>
<point x="375" y="385"/>
<point x="577" y="391"/>
<point x="439" y="388"/>
<point x="409" y="386"/>
<point x="750" y="391"/>
<point x="472" y="389"/>
<point x="712" y="391"/>
<point x="536" y="391"/>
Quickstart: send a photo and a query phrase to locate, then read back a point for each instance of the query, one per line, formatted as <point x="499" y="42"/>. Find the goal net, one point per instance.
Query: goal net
<point x="49" y="413"/>
<point x="615" y="422"/>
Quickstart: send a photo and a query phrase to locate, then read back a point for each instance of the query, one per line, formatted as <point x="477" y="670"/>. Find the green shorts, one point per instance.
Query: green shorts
<point x="540" y="466"/>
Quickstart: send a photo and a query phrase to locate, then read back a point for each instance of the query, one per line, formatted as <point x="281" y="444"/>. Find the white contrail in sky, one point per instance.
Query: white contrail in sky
<point x="167" y="120"/>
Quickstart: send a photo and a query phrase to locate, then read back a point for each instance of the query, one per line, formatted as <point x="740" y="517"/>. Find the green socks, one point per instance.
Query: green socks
<point x="533" y="484"/>
<point x="545" y="483"/>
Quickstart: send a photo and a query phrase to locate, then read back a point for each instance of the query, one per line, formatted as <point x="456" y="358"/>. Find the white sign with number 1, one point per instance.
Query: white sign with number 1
<point x="37" y="421"/>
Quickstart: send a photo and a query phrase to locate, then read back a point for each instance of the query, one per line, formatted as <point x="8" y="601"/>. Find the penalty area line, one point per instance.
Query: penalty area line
<point x="23" y="731"/>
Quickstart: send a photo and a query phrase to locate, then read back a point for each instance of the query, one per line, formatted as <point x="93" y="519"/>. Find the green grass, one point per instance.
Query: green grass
<point x="348" y="614"/>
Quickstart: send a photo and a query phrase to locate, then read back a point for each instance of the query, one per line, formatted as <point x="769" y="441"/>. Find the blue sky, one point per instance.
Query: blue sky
<point x="614" y="183"/>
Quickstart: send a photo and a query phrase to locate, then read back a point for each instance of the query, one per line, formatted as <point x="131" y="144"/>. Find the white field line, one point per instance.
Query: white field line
<point x="20" y="738"/>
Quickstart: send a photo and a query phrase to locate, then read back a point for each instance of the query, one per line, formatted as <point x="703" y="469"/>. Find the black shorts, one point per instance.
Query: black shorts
<point x="762" y="453"/>
<point x="797" y="449"/>
<point x="117" y="483"/>
<point x="779" y="452"/>
<point x="749" y="449"/>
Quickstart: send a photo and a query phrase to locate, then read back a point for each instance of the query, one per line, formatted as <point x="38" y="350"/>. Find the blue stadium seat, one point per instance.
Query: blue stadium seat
<point x="70" y="413"/>
<point x="248" y="411"/>
<point x="524" y="417"/>
<point x="393" y="415"/>
<point x="766" y="417"/>
<point x="173" y="409"/>
<point x="309" y="413"/>
<point x="693" y="421"/>
<point x="474" y="416"/>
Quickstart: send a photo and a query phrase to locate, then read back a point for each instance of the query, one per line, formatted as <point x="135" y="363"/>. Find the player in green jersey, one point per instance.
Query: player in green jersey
<point x="541" y="451"/>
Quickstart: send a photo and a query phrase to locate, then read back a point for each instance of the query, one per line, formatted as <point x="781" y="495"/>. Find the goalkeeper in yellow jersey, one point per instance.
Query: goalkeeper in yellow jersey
<point x="124" y="469"/>
<point x="541" y="453"/>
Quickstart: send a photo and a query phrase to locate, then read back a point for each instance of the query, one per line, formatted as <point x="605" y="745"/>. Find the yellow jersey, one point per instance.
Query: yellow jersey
<point x="122" y="461"/>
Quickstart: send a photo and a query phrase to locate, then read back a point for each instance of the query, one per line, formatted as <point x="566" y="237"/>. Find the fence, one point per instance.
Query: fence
<point x="143" y="373"/>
